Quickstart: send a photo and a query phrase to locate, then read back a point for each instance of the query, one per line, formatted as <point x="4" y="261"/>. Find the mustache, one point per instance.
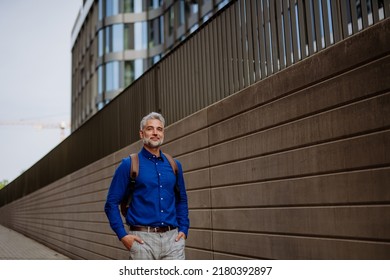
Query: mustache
<point x="153" y="143"/>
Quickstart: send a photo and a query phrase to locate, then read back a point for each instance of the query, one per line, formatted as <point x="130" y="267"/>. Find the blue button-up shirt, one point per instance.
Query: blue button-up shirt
<point x="153" y="202"/>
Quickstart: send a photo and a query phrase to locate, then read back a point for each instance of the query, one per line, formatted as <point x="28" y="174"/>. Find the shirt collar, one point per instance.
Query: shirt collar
<point x="149" y="155"/>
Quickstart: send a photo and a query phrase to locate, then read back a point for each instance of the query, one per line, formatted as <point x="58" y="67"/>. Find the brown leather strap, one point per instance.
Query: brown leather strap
<point x="173" y="163"/>
<point x="134" y="166"/>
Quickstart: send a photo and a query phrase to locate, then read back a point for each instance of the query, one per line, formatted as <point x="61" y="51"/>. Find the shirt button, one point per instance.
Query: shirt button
<point x="162" y="211"/>
<point x="160" y="186"/>
<point x="162" y="198"/>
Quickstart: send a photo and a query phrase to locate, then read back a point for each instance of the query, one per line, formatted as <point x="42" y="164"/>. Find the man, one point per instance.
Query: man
<point x="157" y="217"/>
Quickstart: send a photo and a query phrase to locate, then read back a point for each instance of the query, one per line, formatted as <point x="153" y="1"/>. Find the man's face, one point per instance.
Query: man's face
<point x="153" y="133"/>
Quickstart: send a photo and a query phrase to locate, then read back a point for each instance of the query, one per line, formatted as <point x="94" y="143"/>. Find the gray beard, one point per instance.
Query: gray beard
<point x="152" y="144"/>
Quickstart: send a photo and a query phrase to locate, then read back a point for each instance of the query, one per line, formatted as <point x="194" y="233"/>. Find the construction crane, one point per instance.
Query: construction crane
<point x="62" y="125"/>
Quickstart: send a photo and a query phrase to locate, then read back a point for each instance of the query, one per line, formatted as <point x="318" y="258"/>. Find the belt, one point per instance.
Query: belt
<point x="151" y="229"/>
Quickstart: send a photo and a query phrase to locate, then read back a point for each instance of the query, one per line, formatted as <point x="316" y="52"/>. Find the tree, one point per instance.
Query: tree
<point x="3" y="183"/>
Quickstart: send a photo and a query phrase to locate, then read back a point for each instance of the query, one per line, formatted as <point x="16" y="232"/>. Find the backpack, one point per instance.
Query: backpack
<point x="125" y="204"/>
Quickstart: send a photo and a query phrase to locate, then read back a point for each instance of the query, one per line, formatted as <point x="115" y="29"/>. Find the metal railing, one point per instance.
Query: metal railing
<point x="242" y="44"/>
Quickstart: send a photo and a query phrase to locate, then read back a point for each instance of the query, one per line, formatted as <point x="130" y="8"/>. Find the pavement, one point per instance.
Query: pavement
<point x="16" y="246"/>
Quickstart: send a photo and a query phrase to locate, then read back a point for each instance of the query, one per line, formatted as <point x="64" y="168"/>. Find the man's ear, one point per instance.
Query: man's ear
<point x="141" y="134"/>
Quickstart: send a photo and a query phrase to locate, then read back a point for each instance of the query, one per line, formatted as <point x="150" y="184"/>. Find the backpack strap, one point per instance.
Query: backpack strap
<point x="134" y="167"/>
<point x="173" y="164"/>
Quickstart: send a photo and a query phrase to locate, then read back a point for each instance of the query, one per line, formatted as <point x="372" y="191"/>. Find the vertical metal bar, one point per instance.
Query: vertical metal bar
<point x="239" y="46"/>
<point x="375" y="11"/>
<point x="255" y="40"/>
<point x="267" y="27"/>
<point x="191" y="73"/>
<point x="235" y="63"/>
<point x="208" y="79"/>
<point x="250" y="42"/>
<point x="287" y="32"/>
<point x="325" y="13"/>
<point x="318" y="19"/>
<point x="302" y="28"/>
<point x="188" y="83"/>
<point x="213" y="80"/>
<point x="179" y="102"/>
<point x="280" y="35"/>
<point x="203" y="68"/>
<point x="386" y="8"/>
<point x="183" y="81"/>
<point x="196" y="74"/>
<point x="207" y="65"/>
<point x="222" y="77"/>
<point x="244" y="44"/>
<point x="262" y="39"/>
<point x="363" y="4"/>
<point x="354" y="17"/>
<point x="344" y="18"/>
<point x="229" y="47"/>
<point x="294" y="29"/>
<point x="172" y="86"/>
<point x="309" y="27"/>
<point x="165" y="92"/>
<point x="170" y="74"/>
<point x="274" y="36"/>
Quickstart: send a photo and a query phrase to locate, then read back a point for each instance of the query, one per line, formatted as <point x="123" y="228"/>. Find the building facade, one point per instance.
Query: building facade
<point x="115" y="41"/>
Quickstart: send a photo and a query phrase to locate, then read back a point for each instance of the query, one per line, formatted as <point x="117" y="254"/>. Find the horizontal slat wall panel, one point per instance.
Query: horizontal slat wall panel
<point x="309" y="130"/>
<point x="358" y="187"/>
<point x="263" y="246"/>
<point x="332" y="157"/>
<point x="293" y="167"/>
<point x="355" y="222"/>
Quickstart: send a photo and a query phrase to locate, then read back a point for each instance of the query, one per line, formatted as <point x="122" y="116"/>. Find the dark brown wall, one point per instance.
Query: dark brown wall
<point x="293" y="167"/>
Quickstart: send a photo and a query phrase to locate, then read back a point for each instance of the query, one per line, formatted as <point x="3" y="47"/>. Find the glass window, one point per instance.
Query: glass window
<point x="154" y="32"/>
<point x="138" y="68"/>
<point x="112" y="76"/>
<point x="162" y="33"/>
<point x="117" y="37"/>
<point x="140" y="35"/>
<point x="128" y="35"/>
<point x="129" y="73"/>
<point x="171" y="21"/>
<point x="115" y="7"/>
<point x="154" y="4"/>
<point x="108" y="7"/>
<point x="128" y="6"/>
<point x="108" y="48"/>
<point x="181" y="13"/>
<point x="100" y="105"/>
<point x="101" y="12"/>
<point x="156" y="59"/>
<point x="100" y="42"/>
<point x="138" y="6"/>
<point x="112" y="7"/>
<point x="100" y="80"/>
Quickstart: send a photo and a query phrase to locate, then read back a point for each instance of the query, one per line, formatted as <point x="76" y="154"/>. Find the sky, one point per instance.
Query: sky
<point x="35" y="80"/>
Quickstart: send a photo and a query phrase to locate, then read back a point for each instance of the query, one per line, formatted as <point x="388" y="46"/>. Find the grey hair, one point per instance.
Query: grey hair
<point x="152" y="116"/>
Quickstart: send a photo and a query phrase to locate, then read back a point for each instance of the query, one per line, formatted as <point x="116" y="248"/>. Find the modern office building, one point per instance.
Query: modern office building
<point x="115" y="41"/>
